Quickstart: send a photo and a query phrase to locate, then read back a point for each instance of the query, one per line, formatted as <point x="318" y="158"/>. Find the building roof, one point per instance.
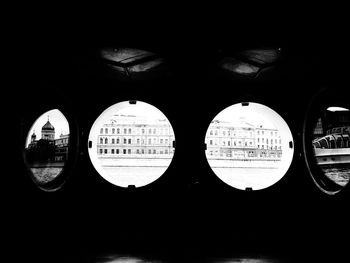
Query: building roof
<point x="48" y="126"/>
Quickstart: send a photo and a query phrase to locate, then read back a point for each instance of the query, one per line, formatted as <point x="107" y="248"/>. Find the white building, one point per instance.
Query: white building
<point x="244" y="141"/>
<point x="129" y="136"/>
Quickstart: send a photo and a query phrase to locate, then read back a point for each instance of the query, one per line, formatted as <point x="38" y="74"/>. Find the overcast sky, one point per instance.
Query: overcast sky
<point x="255" y="114"/>
<point x="141" y="109"/>
<point x="57" y="120"/>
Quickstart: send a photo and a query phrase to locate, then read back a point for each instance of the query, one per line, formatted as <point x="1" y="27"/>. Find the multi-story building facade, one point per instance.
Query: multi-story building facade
<point x="244" y="141"/>
<point x="129" y="136"/>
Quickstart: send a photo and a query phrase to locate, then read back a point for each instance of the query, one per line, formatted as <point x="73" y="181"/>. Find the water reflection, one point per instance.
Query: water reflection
<point x="340" y="175"/>
<point x="124" y="259"/>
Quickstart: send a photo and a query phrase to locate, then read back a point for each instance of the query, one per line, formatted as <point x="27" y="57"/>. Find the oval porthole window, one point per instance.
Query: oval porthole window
<point x="249" y="146"/>
<point x="47" y="148"/>
<point x="327" y="144"/>
<point x="131" y="144"/>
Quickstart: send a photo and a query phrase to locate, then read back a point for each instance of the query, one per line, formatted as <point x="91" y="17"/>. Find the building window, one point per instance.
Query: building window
<point x="129" y="151"/>
<point x="166" y="151"/>
<point x="101" y="141"/>
<point x="112" y="151"/>
<point x="101" y="131"/>
<point x="106" y="131"/>
<point x="117" y="151"/>
<point x="118" y="140"/>
<point x="138" y="141"/>
<point x="118" y="131"/>
<point x="137" y="151"/>
<point x="113" y="141"/>
<point x="113" y="131"/>
<point x="124" y="141"/>
<point x="101" y="151"/>
<point x="106" y="151"/>
<point x="149" y="151"/>
<point x="154" y="131"/>
<point x="149" y="141"/>
<point x="143" y="151"/>
<point x="154" y="152"/>
<point x="150" y="131"/>
<point x="161" y="141"/>
<point x="129" y="131"/>
<point x="143" y="131"/>
<point x="106" y="141"/>
<point x="129" y="141"/>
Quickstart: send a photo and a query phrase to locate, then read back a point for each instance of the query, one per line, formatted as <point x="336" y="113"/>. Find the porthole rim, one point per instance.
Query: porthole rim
<point x="317" y="104"/>
<point x="130" y="187"/>
<point x="254" y="100"/>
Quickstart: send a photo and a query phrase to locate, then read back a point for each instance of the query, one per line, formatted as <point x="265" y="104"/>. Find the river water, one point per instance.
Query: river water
<point x="339" y="174"/>
<point x="46" y="174"/>
<point x="242" y="178"/>
<point x="138" y="176"/>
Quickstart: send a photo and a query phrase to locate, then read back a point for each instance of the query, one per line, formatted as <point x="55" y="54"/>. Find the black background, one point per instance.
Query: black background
<point x="188" y="213"/>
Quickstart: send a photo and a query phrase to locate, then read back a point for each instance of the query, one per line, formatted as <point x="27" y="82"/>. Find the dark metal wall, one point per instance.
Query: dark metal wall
<point x="188" y="212"/>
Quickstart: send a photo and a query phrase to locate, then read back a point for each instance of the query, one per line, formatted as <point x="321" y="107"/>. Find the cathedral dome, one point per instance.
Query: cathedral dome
<point x="48" y="126"/>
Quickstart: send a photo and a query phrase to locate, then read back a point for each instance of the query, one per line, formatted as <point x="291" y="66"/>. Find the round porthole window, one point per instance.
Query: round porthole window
<point x="327" y="142"/>
<point x="47" y="148"/>
<point x="131" y="144"/>
<point x="249" y="146"/>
